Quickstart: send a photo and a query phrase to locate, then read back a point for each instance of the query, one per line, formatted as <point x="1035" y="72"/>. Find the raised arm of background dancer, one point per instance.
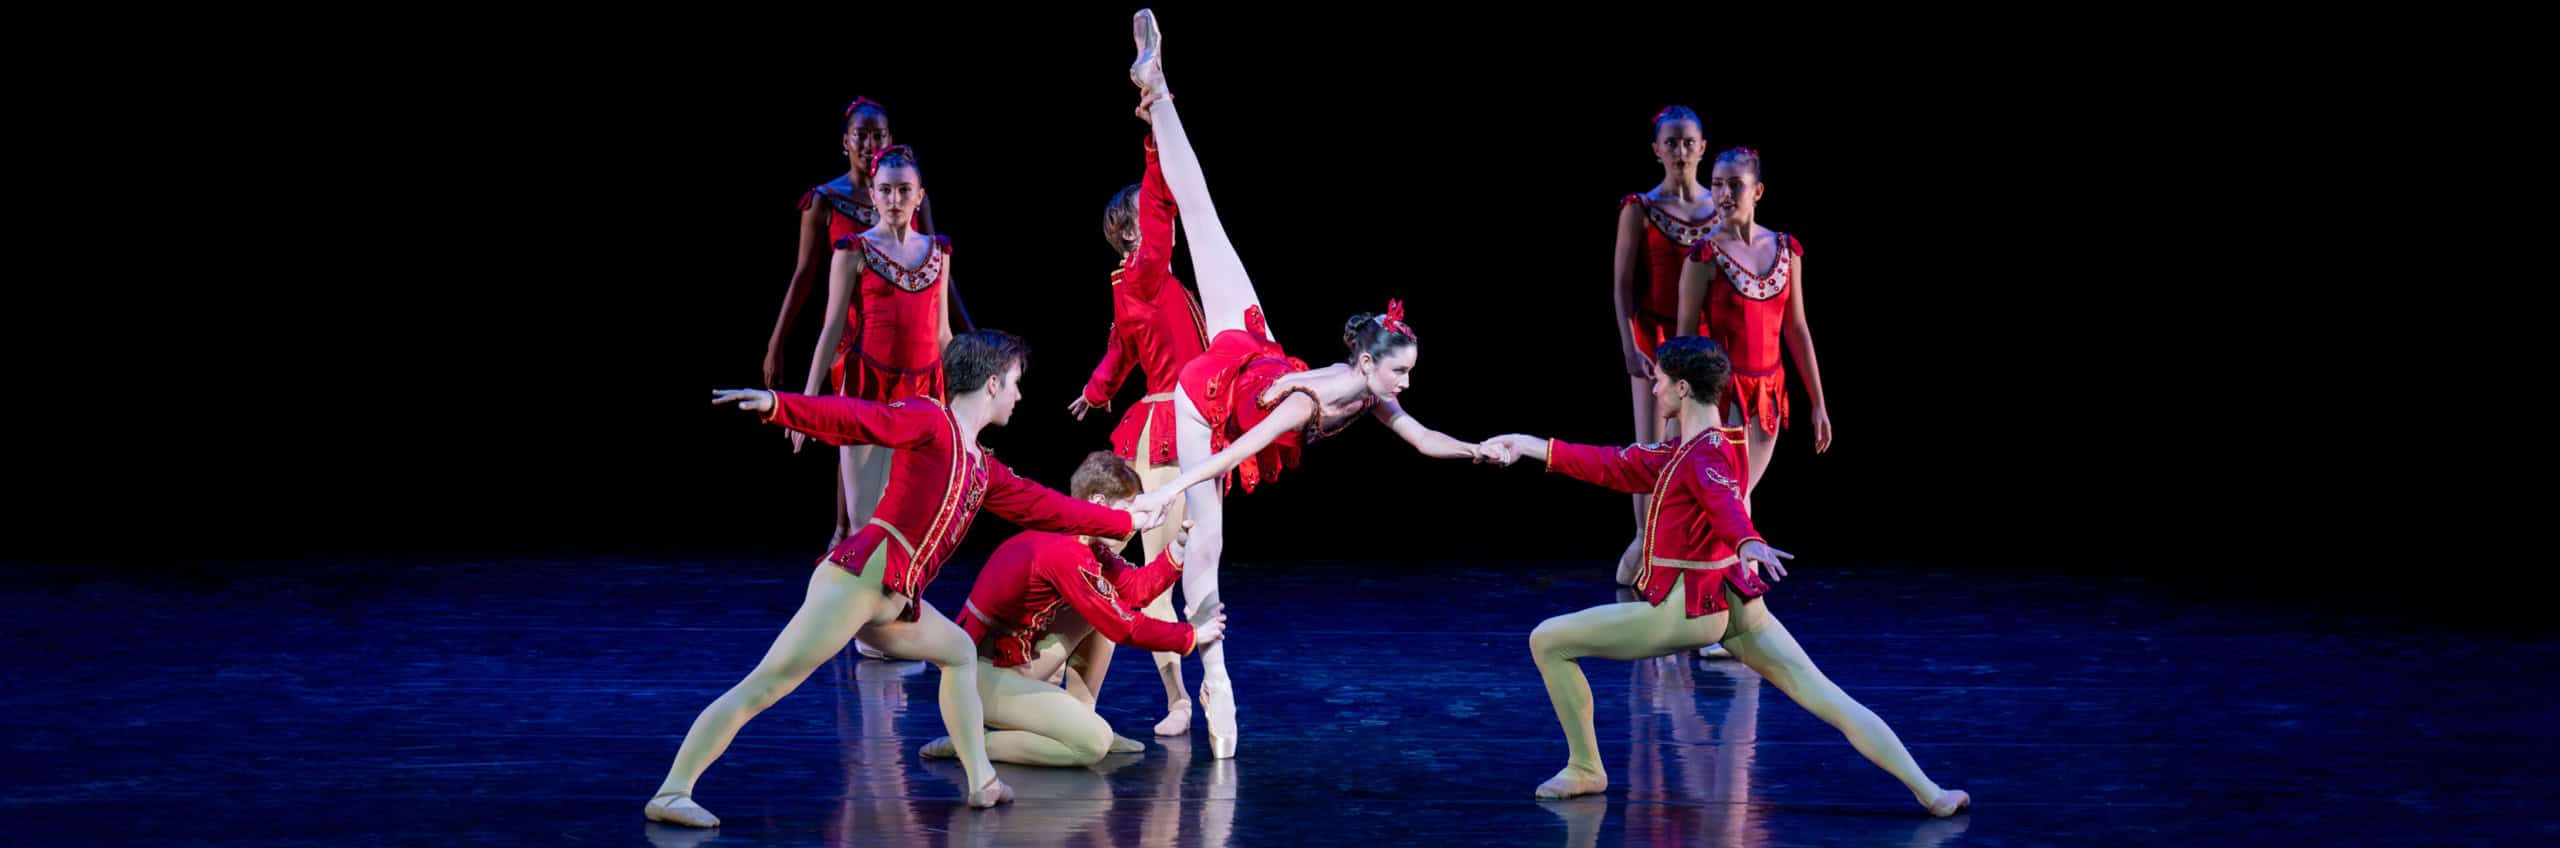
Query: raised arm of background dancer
<point x="1292" y="413"/>
<point x="1112" y="615"/>
<point x="1799" y="337"/>
<point x="1038" y="507"/>
<point x="1632" y="469"/>
<point x="842" y="271"/>
<point x="804" y="279"/>
<point x="1629" y="263"/>
<point x="1151" y="266"/>
<point x="840" y="420"/>
<point x="1429" y="442"/>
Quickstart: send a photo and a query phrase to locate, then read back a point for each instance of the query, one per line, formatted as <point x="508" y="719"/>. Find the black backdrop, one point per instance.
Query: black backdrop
<point x="462" y="288"/>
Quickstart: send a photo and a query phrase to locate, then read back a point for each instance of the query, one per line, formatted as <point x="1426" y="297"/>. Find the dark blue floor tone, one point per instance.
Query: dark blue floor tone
<point x="539" y="703"/>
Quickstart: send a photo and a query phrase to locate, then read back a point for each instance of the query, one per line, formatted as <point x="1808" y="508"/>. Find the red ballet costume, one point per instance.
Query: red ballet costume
<point x="1695" y="522"/>
<point x="1155" y="325"/>
<point x="1747" y="314"/>
<point x="895" y="349"/>
<point x="934" y="490"/>
<point x="1667" y="238"/>
<point x="1227" y="382"/>
<point x="1035" y="575"/>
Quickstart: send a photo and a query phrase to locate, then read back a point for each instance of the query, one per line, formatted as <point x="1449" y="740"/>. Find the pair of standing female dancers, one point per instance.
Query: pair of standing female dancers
<point x="1245" y="408"/>
<point x="1693" y="259"/>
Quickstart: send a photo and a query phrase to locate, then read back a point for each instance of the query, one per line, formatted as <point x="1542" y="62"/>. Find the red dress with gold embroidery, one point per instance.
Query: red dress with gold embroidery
<point x="1035" y="575"/>
<point x="1155" y="325"/>
<point x="1666" y="238"/>
<point x="935" y="488"/>
<point x="1746" y="313"/>
<point x="1227" y="384"/>
<point x="1695" y="522"/>
<point x="893" y="349"/>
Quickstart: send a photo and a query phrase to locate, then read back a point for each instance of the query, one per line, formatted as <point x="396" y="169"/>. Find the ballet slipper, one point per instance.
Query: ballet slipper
<point x="678" y="808"/>
<point x="1177" y="719"/>
<point x="991" y="794"/>
<point x="1573" y="782"/>
<point x="1148" y="70"/>
<point x="1950" y="802"/>
<point x="941" y="748"/>
<point x="1220" y="705"/>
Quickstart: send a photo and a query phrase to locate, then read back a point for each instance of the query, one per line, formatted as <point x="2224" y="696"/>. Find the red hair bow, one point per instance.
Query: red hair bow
<point x="1394" y="319"/>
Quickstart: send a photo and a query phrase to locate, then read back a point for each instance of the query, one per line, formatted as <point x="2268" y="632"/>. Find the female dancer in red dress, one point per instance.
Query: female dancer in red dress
<point x="1245" y="406"/>
<point x="1655" y="229"/>
<point x="873" y="582"/>
<point x="1701" y="550"/>
<point x="1042" y="591"/>
<point x="828" y="214"/>
<point x="1747" y="283"/>
<point x="888" y="316"/>
<point x="1155" y="326"/>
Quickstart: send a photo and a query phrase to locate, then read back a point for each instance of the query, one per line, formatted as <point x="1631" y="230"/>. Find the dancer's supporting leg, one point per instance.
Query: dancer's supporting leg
<point x="1177" y="697"/>
<point x="864" y="471"/>
<point x="1226" y="293"/>
<point x="1200" y="578"/>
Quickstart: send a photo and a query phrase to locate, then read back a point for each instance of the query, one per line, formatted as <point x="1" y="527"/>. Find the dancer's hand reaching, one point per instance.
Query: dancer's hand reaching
<point x="1154" y="501"/>
<point x="751" y="400"/>
<point x="1142" y="519"/>
<point x="1078" y="408"/>
<point x="1490" y="453"/>
<point x="1765" y="559"/>
<point x="1512" y="447"/>
<point x="1212" y="630"/>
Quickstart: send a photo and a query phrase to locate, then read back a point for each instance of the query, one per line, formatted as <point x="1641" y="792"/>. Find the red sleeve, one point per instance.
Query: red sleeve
<point x="1152" y="263"/>
<point x="1139" y="586"/>
<point x="1718" y="483"/>
<point x="1631" y="469"/>
<point x="1078" y="577"/>
<point x="1794" y="246"/>
<point x="1038" y="507"/>
<point x="1114" y="370"/>
<point x="838" y="420"/>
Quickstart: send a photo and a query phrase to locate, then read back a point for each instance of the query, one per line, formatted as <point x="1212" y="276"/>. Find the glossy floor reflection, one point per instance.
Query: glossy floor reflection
<point x="539" y="703"/>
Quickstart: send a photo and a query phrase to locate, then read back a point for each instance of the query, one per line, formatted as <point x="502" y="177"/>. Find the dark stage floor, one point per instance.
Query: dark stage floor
<point x="538" y="702"/>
